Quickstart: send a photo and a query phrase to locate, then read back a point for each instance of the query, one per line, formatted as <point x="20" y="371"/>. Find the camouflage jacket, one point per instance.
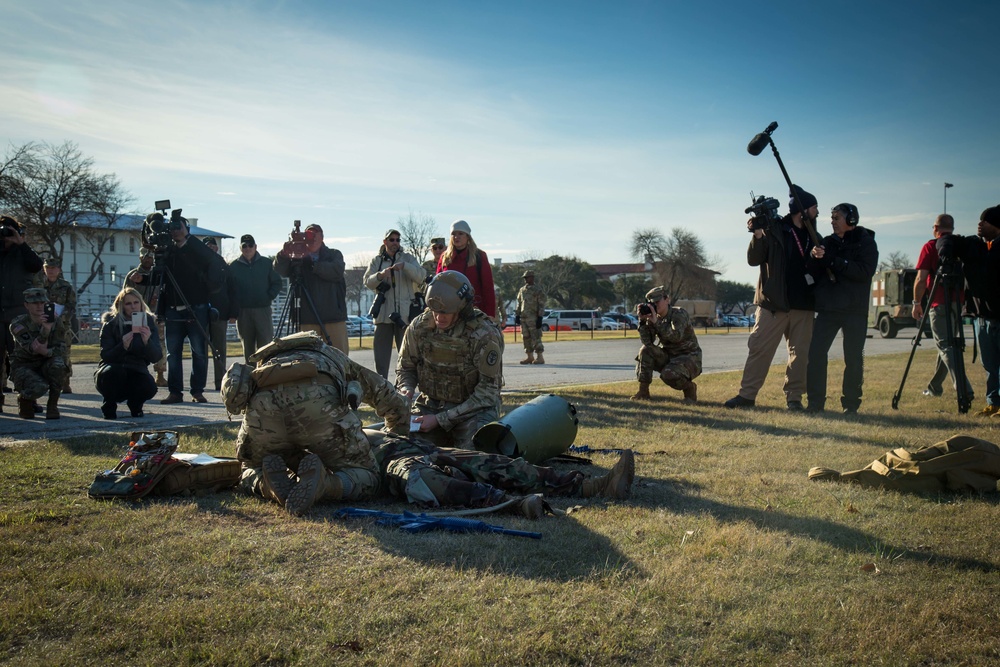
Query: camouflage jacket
<point x="530" y="303"/>
<point x="458" y="371"/>
<point x="675" y="333"/>
<point x="60" y="292"/>
<point x="25" y="331"/>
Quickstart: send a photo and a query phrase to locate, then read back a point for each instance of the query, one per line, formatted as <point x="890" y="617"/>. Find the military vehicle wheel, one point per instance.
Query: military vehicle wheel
<point x="886" y="327"/>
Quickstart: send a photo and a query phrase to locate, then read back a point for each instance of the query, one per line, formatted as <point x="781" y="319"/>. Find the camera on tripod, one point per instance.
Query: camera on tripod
<point x="764" y="211"/>
<point x="297" y="245"/>
<point x="156" y="230"/>
<point x="376" y="308"/>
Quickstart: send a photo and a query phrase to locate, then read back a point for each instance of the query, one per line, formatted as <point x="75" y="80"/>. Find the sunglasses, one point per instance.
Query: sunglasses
<point x="438" y="247"/>
<point x="247" y="245"/>
<point x="395" y="240"/>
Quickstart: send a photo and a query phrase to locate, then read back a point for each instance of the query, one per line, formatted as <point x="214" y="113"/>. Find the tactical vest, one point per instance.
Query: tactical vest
<point x="450" y="373"/>
<point x="301" y="357"/>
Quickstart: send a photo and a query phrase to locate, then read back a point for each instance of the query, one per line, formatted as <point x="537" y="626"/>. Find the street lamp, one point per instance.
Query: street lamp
<point x="946" y="186"/>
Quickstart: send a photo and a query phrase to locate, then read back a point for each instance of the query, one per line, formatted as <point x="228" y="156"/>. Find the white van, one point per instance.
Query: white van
<point x="578" y="320"/>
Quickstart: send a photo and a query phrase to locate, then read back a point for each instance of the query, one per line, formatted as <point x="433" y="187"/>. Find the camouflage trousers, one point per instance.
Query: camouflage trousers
<point x="460" y="436"/>
<point x="440" y="476"/>
<point x="161" y="365"/>
<point x="33" y="379"/>
<point x="293" y="420"/>
<point x="532" y="337"/>
<point x="676" y="371"/>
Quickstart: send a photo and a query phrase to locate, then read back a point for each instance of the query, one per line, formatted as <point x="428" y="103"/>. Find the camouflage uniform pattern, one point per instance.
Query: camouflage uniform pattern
<point x="62" y="292"/>
<point x="677" y="357"/>
<point x="531" y="306"/>
<point x="458" y="372"/>
<point x="313" y="416"/>
<point x="149" y="294"/>
<point x="431" y="476"/>
<point x="34" y="375"/>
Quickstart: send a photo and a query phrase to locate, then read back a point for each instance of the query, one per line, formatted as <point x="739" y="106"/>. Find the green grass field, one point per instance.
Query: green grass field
<point x="725" y="555"/>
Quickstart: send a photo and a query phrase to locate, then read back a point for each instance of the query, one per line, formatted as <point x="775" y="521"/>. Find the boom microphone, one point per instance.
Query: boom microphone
<point x="760" y="142"/>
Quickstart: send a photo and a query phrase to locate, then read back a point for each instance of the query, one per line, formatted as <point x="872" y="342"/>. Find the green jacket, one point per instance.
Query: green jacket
<point x="256" y="281"/>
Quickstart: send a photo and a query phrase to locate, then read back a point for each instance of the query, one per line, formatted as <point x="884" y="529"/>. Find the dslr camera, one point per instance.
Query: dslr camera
<point x="8" y="227"/>
<point x="763" y="211"/>
<point x="376" y="308"/>
<point x="642" y="309"/>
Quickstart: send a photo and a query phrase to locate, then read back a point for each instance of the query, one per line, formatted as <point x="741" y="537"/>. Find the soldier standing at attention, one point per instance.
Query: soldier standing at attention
<point x="451" y="362"/>
<point x="529" y="314"/>
<point x="677" y="357"/>
<point x="61" y="293"/>
<point x="38" y="362"/>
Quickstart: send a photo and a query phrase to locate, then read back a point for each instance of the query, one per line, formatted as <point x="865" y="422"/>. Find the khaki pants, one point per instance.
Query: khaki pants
<point x="796" y="327"/>
<point x="337" y="331"/>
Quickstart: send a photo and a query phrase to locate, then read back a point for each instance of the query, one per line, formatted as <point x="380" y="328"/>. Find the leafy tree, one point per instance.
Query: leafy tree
<point x="895" y="260"/>
<point x="731" y="296"/>
<point x="416" y="232"/>
<point x="569" y="282"/>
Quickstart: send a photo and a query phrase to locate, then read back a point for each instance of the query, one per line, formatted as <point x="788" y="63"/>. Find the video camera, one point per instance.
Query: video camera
<point x="297" y="245"/>
<point x="764" y="211"/>
<point x="156" y="229"/>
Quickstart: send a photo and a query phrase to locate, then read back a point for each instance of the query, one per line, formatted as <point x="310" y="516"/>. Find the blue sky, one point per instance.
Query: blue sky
<point x="551" y="127"/>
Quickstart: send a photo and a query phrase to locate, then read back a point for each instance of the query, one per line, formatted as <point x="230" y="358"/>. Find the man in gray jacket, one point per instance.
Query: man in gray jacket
<point x="258" y="284"/>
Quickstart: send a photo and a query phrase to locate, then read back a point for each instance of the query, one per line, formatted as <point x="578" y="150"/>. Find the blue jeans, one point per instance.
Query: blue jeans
<point x="855" y="329"/>
<point x="988" y="335"/>
<point x="181" y="325"/>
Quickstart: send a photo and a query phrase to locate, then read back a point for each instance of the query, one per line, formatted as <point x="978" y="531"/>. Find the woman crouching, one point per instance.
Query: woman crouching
<point x="129" y="343"/>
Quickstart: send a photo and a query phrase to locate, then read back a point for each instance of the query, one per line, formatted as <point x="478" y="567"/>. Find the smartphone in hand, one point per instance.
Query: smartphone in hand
<point x="50" y="312"/>
<point x="138" y="320"/>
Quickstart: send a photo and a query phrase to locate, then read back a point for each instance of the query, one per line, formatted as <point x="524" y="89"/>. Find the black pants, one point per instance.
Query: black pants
<point x="825" y="328"/>
<point x="118" y="382"/>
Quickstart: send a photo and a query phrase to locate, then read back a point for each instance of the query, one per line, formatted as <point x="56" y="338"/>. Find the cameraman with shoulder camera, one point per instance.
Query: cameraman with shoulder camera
<point x="842" y="305"/>
<point x="677" y="358"/>
<point x="928" y="264"/>
<point x="38" y="360"/>
<point x="784" y="300"/>
<point x="18" y="266"/>
<point x="394" y="276"/>
<point x="197" y="273"/>
<point x="323" y="279"/>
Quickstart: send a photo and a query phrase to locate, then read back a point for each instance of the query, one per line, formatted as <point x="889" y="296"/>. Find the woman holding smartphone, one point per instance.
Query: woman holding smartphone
<point x="129" y="343"/>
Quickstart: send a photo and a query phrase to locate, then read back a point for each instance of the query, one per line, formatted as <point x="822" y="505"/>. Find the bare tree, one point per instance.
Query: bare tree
<point x="895" y="260"/>
<point x="648" y="245"/>
<point x="109" y="205"/>
<point x="679" y="259"/>
<point x="416" y="232"/>
<point x="354" y="276"/>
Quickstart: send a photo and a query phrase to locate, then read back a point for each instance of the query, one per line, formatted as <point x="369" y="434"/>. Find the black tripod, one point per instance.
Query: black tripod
<point x="949" y="276"/>
<point x="160" y="269"/>
<point x="291" y="312"/>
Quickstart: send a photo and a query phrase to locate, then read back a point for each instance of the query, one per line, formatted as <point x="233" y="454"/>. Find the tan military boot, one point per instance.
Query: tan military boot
<point x="25" y="408"/>
<point x="275" y="482"/>
<point x="616" y="484"/>
<point x="691" y="393"/>
<point x="539" y="359"/>
<point x="160" y="380"/>
<point x="52" y="407"/>
<point x="643" y="393"/>
<point x="530" y="359"/>
<point x="314" y="483"/>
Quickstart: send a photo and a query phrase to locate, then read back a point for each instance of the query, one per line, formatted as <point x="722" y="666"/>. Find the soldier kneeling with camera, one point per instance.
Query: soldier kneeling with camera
<point x="677" y="356"/>
<point x="38" y="362"/>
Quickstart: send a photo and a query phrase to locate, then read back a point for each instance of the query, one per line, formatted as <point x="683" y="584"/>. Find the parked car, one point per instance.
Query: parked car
<point x="629" y="321"/>
<point x="581" y="320"/>
<point x="359" y="326"/>
<point x="609" y="324"/>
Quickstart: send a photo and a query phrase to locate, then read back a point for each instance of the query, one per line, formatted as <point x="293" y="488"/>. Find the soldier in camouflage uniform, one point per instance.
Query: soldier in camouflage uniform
<point x="677" y="357"/>
<point x="141" y="279"/>
<point x="61" y="293"/>
<point x="38" y="362"/>
<point x="529" y="314"/>
<point x="438" y="246"/>
<point x="453" y="355"/>
<point x="299" y="416"/>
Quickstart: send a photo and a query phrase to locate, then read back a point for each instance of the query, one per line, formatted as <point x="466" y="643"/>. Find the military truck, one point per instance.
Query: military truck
<point x="701" y="311"/>
<point x="891" y="306"/>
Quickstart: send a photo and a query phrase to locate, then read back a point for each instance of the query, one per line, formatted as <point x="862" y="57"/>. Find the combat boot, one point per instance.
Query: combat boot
<point x="25" y="408"/>
<point x="616" y="484"/>
<point x="539" y="359"/>
<point x="643" y="393"/>
<point x="275" y="482"/>
<point x="691" y="393"/>
<point x="160" y="380"/>
<point x="531" y="506"/>
<point x="314" y="483"/>
<point x="52" y="407"/>
<point x="530" y="359"/>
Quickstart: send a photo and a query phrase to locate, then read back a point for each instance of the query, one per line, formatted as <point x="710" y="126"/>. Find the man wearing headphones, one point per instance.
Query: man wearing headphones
<point x="841" y="305"/>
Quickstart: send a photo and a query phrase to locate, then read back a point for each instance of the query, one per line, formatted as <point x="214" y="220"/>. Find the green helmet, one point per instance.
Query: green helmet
<point x="449" y="292"/>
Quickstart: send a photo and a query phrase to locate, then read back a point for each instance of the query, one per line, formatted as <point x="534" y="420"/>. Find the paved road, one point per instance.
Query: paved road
<point x="569" y="363"/>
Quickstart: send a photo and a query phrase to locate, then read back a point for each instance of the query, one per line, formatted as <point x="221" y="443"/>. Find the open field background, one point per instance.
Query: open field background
<point x="725" y="554"/>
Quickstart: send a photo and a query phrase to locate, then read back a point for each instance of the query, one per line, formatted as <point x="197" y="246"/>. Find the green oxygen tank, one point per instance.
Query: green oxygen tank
<point x="542" y="428"/>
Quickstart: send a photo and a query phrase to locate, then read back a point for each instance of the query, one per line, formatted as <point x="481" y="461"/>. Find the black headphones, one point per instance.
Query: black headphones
<point x="850" y="212"/>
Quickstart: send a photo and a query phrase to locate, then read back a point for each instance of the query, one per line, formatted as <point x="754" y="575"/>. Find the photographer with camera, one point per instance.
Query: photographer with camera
<point x="842" y="305"/>
<point x="784" y="299"/>
<point x="18" y="266"/>
<point x="928" y="264"/>
<point x="677" y="357"/>
<point x="394" y="276"/>
<point x="62" y="294"/>
<point x="129" y="343"/>
<point x="184" y="304"/>
<point x="140" y="278"/>
<point x="38" y="360"/>
<point x="323" y="279"/>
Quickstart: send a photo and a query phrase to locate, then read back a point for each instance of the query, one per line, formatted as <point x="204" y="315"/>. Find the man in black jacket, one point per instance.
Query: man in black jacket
<point x="225" y="301"/>
<point x="851" y="254"/>
<point x="18" y="266"/>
